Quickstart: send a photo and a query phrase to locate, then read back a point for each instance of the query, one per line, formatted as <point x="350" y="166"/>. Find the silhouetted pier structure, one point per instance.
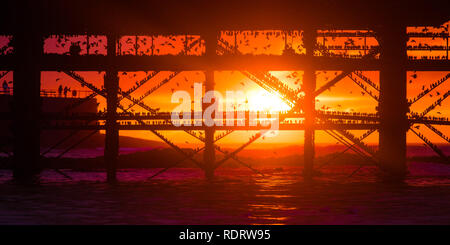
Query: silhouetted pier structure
<point x="385" y="22"/>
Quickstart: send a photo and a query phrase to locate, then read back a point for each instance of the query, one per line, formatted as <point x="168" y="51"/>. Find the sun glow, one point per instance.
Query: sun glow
<point x="265" y="101"/>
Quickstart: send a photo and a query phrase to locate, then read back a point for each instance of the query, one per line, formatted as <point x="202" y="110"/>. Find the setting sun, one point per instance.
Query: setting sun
<point x="263" y="100"/>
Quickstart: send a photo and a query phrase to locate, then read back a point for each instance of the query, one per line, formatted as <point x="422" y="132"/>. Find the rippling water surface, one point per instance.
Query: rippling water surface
<point x="236" y="196"/>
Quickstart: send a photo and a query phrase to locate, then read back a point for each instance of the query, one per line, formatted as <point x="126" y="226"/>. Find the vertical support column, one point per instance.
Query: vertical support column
<point x="393" y="102"/>
<point x="88" y="46"/>
<point x="153" y="46"/>
<point x="365" y="43"/>
<point x="309" y="86"/>
<point x="112" y="133"/>
<point x="26" y="108"/>
<point x="209" y="156"/>
<point x="136" y="45"/>
<point x="447" y="46"/>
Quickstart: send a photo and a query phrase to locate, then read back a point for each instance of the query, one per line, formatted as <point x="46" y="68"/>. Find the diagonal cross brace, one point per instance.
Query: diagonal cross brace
<point x="422" y="115"/>
<point x="95" y="89"/>
<point x="345" y="73"/>
<point x="232" y="154"/>
<point x="361" y="85"/>
<point x="234" y="157"/>
<point x="432" y="146"/>
<point x="365" y="135"/>
<point x="431" y="88"/>
<point x="103" y="92"/>
<point x="261" y="79"/>
<point x="438" y="132"/>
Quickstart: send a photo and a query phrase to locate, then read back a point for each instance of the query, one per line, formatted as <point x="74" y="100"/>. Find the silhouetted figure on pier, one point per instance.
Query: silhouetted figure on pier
<point x="5" y="87"/>
<point x="66" y="89"/>
<point x="60" y="90"/>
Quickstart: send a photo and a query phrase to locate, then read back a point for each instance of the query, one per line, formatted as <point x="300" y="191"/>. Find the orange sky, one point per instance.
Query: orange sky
<point x="345" y="96"/>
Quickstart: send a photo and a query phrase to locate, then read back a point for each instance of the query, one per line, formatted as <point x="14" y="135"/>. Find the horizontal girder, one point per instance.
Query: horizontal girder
<point x="138" y="16"/>
<point x="226" y="62"/>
